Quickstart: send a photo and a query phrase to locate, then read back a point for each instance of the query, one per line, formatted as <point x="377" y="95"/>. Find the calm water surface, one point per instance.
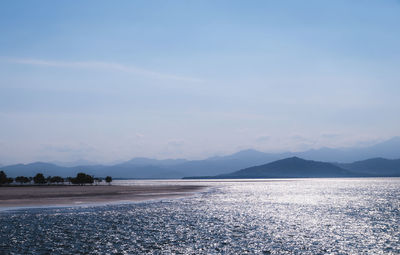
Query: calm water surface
<point x="314" y="216"/>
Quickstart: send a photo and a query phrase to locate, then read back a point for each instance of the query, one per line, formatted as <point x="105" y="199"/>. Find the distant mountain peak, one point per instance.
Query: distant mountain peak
<point x="78" y="162"/>
<point x="392" y="141"/>
<point x="248" y="152"/>
<point x="294" y="158"/>
<point x="148" y="161"/>
<point x="293" y="167"/>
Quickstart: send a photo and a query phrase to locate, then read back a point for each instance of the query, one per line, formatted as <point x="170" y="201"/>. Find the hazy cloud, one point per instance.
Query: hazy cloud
<point x="330" y="136"/>
<point x="111" y="66"/>
<point x="139" y="135"/>
<point x="175" y="143"/>
<point x="262" y="139"/>
<point x="68" y="152"/>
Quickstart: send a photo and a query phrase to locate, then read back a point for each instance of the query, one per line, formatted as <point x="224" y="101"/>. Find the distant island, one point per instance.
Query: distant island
<point x="295" y="167"/>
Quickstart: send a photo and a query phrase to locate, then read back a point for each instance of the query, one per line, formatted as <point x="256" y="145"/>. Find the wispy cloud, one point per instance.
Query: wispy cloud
<point x="263" y="138"/>
<point x="139" y="135"/>
<point x="111" y="66"/>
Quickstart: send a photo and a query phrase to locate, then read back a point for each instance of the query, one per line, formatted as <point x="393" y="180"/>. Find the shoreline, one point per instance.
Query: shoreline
<point x="65" y="195"/>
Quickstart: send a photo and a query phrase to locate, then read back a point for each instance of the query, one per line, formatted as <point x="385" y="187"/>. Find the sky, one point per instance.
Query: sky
<point x="107" y="81"/>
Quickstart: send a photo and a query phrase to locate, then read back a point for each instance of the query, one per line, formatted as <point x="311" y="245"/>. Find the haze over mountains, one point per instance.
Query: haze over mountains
<point x="389" y="149"/>
<point x="177" y="168"/>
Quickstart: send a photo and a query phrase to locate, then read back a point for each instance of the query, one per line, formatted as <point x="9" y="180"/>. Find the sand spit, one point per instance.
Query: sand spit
<point x="73" y="195"/>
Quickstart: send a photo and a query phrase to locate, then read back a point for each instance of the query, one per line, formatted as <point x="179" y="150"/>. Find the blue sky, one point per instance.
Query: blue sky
<point x="106" y="81"/>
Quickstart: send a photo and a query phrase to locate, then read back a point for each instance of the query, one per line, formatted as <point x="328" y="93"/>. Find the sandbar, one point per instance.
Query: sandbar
<point x="28" y="196"/>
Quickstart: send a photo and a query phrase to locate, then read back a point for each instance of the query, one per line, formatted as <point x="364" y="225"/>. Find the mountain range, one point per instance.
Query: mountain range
<point x="295" y="167"/>
<point x="375" y="167"/>
<point x="369" y="160"/>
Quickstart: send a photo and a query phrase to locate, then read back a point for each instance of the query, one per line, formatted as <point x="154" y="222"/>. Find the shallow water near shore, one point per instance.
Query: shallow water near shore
<point x="302" y="216"/>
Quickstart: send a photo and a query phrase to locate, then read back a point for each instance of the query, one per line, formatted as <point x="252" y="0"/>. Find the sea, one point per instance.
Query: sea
<point x="264" y="216"/>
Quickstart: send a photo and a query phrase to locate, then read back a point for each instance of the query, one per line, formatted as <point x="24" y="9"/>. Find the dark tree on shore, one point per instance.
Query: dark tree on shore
<point x="56" y="179"/>
<point x="22" y="179"/>
<point x="108" y="179"/>
<point x="39" y="179"/>
<point x="4" y="179"/>
<point x="82" y="178"/>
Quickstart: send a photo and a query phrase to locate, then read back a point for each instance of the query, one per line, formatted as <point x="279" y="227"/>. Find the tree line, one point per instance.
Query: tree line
<point x="40" y="179"/>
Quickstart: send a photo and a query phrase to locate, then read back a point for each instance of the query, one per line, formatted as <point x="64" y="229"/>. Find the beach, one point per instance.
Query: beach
<point x="21" y="196"/>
